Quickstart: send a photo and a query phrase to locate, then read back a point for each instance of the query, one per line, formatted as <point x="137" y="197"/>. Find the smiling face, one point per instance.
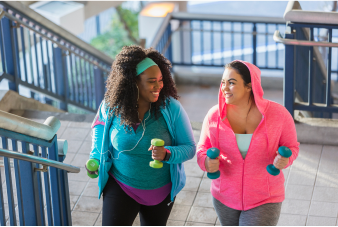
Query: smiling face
<point x="150" y="84"/>
<point x="233" y="88"/>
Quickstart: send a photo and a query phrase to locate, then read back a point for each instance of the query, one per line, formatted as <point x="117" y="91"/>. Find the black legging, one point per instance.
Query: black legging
<point x="120" y="209"/>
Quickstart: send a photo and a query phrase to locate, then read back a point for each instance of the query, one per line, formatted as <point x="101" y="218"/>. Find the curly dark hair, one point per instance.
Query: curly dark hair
<point x="121" y="95"/>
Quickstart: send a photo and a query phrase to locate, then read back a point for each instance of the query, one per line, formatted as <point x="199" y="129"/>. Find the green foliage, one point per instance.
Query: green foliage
<point x="112" y="41"/>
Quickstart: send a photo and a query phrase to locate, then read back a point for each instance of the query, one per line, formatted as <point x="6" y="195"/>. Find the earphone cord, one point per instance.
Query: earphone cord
<point x="144" y="129"/>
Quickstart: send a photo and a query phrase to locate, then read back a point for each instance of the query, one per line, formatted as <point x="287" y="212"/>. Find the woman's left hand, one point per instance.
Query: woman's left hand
<point x="280" y="162"/>
<point x="158" y="152"/>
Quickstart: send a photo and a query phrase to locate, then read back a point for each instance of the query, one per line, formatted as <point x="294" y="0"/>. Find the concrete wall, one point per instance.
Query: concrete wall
<point x="28" y="2"/>
<point x="93" y="8"/>
<point x="11" y="100"/>
<point x="182" y="3"/>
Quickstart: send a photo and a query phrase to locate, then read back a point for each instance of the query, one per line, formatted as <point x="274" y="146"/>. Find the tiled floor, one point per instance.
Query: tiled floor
<point x="311" y="182"/>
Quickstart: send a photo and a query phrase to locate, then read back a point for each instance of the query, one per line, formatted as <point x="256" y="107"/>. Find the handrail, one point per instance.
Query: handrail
<point x="233" y="18"/>
<point x="161" y="31"/>
<point x="60" y="45"/>
<point x="278" y="38"/>
<point x="58" y="30"/>
<point x="294" y="13"/>
<point x="39" y="160"/>
<point x="45" y="131"/>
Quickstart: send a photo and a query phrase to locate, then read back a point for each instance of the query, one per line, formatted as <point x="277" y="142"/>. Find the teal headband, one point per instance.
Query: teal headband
<point x="143" y="65"/>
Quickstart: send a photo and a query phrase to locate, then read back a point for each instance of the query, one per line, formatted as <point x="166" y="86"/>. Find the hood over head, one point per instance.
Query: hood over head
<point x="257" y="90"/>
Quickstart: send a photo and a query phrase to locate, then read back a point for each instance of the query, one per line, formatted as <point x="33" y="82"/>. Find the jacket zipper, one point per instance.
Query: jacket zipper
<point x="244" y="163"/>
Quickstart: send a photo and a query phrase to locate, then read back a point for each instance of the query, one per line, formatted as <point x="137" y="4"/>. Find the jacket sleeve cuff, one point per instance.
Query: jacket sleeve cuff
<point x="201" y="163"/>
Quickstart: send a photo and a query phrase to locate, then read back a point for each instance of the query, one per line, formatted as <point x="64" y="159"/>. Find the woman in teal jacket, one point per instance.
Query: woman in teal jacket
<point x="140" y="104"/>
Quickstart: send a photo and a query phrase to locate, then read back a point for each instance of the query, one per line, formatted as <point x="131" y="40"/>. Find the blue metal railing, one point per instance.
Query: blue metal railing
<point x="309" y="70"/>
<point x="43" y="61"/>
<point x="214" y="40"/>
<point x="34" y="195"/>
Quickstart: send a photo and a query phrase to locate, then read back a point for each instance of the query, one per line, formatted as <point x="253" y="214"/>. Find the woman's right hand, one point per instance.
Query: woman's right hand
<point x="211" y="165"/>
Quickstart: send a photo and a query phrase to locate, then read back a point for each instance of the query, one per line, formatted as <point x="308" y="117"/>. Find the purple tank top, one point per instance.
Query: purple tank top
<point x="146" y="197"/>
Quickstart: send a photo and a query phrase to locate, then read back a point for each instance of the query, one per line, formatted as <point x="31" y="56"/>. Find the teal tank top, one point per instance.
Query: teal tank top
<point x="243" y="143"/>
<point x="132" y="167"/>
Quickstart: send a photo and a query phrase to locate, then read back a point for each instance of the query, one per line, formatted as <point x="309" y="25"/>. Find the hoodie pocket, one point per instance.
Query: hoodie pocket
<point x="256" y="191"/>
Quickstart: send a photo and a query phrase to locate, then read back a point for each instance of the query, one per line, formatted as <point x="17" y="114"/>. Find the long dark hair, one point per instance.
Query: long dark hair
<point x="122" y="93"/>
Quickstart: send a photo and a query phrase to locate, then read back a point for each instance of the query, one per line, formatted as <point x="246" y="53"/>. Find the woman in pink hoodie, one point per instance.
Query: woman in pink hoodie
<point x="248" y="130"/>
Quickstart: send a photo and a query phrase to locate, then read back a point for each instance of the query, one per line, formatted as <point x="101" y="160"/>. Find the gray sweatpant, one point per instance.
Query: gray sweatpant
<point x="264" y="215"/>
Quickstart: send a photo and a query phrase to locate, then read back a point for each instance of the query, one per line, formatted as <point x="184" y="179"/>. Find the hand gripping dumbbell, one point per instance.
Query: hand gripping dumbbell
<point x="284" y="152"/>
<point x="156" y="164"/>
<point x="92" y="167"/>
<point x="213" y="153"/>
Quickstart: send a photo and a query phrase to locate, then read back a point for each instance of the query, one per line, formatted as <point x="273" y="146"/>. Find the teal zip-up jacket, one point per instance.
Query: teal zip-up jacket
<point x="183" y="145"/>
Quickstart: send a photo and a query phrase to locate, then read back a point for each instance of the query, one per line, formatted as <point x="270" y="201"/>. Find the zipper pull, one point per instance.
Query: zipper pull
<point x="169" y="203"/>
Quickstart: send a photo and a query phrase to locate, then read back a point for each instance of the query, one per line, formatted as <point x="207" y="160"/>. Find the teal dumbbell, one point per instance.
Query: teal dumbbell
<point x="155" y="163"/>
<point x="213" y="153"/>
<point x="284" y="152"/>
<point x="93" y="166"/>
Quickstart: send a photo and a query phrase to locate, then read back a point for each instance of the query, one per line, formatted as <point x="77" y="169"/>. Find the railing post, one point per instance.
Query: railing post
<point x="288" y="82"/>
<point x="99" y="86"/>
<point x="9" y="54"/>
<point x="254" y="44"/>
<point x="55" y="184"/>
<point x="66" y="212"/>
<point x="30" y="200"/>
<point x="60" y="76"/>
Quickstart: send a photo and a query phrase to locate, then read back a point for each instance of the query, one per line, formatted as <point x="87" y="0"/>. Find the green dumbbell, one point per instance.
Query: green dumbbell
<point x="156" y="164"/>
<point x="93" y="166"/>
<point x="284" y="152"/>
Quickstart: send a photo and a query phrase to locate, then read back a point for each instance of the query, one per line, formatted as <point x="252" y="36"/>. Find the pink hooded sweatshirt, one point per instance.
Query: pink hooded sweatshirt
<point x="245" y="184"/>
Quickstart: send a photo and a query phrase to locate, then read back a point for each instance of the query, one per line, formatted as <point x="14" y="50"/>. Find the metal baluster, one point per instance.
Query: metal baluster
<point x="30" y="60"/>
<point x="86" y="82"/>
<point x="202" y="47"/>
<point x="82" y="82"/>
<point x="49" y="77"/>
<point x="232" y="41"/>
<point x="91" y="69"/>
<point x="222" y="43"/>
<point x="30" y="195"/>
<point x="89" y="84"/>
<point x="266" y="45"/>
<point x="310" y="70"/>
<point x="242" y="40"/>
<point x="74" y="77"/>
<point x="2" y="210"/>
<point x="66" y="212"/>
<point x="36" y="60"/>
<point x="288" y="82"/>
<point x="191" y="42"/>
<point x="15" y="50"/>
<point x="44" y="71"/>
<point x="182" y="45"/>
<point x="329" y="59"/>
<point x="254" y="44"/>
<point x="18" y="184"/>
<point x="39" y="186"/>
<point x="23" y="49"/>
<point x="47" y="191"/>
<point x="212" y="42"/>
<point x="55" y="183"/>
<point x="277" y="51"/>
<point x="2" y="45"/>
<point x="78" y="79"/>
<point x="9" y="184"/>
